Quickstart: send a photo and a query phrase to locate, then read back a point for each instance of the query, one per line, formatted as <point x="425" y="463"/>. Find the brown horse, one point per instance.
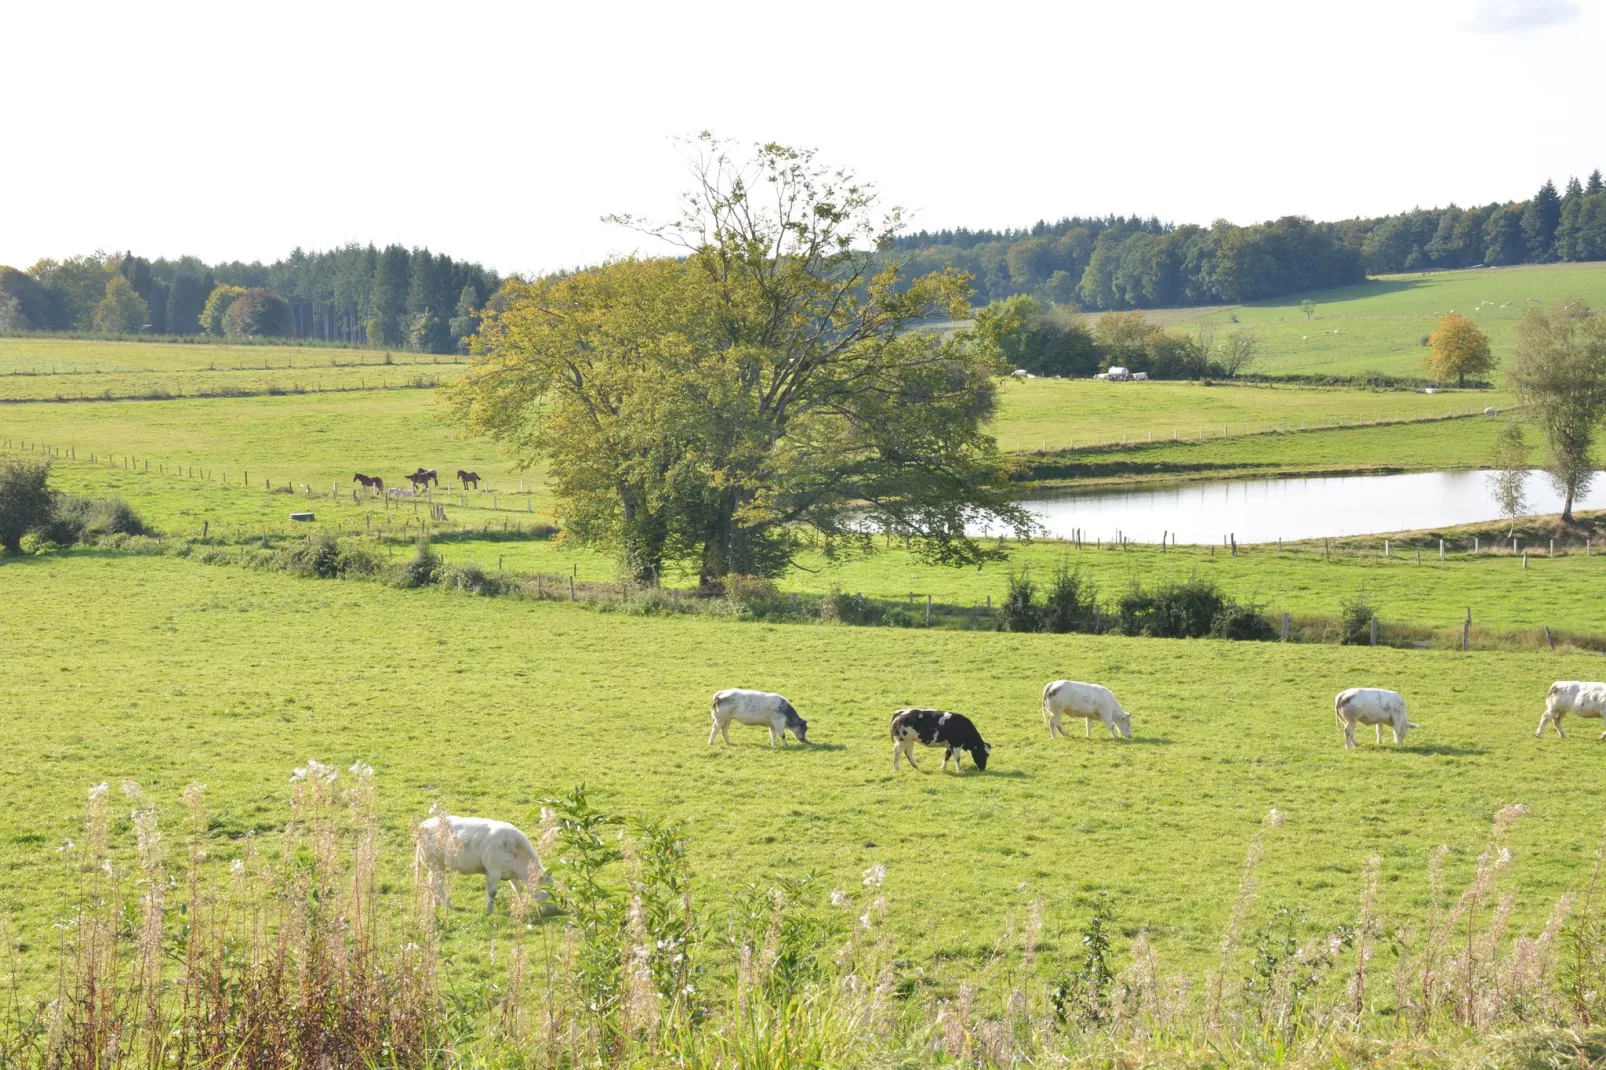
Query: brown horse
<point x="466" y="478"/>
<point x="369" y="482"/>
<point x="423" y="477"/>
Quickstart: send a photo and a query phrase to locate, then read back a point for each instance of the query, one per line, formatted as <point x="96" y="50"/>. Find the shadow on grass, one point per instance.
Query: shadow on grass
<point x="812" y="745"/>
<point x="1442" y="749"/>
<point x="1152" y="741"/>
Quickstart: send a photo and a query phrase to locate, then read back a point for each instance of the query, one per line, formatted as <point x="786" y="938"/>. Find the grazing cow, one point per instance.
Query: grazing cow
<point x="1087" y="701"/>
<point x="476" y="845"/>
<point x="756" y="707"/>
<point x="424" y="477"/>
<point x="1572" y="696"/>
<point x="369" y="482"/>
<point x="466" y="478"/>
<point x="936" y="728"/>
<point x="1373" y="706"/>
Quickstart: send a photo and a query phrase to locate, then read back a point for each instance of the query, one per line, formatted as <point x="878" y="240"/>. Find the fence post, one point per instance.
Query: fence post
<point x="928" y="611"/>
<point x="1466" y="631"/>
<point x="571" y="588"/>
<point x="1419" y="555"/>
<point x="989" y="601"/>
<point x="1385" y="547"/>
<point x="1552" y="550"/>
<point x="1474" y="544"/>
<point x="1551" y="639"/>
<point x="1327" y="550"/>
<point x="1285" y="627"/>
<point x="1525" y="559"/>
<point x="1234" y="537"/>
<point x="1441" y="549"/>
<point x="1586" y="547"/>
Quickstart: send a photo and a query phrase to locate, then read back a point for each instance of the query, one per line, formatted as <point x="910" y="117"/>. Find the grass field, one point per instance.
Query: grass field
<point x="168" y="672"/>
<point x="1379" y="325"/>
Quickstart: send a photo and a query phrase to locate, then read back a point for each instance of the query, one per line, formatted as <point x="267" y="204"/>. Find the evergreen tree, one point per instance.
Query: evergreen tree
<point x="387" y="304"/>
<point x="186" y="297"/>
<point x="466" y="321"/>
<point x="1539" y="222"/>
<point x="1502" y="236"/>
<point x="1596" y="184"/>
<point x="1568" y="245"/>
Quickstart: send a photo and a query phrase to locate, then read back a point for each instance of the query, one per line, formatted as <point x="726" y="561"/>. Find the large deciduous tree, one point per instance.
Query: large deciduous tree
<point x="1458" y="349"/>
<point x="121" y="310"/>
<point x="709" y="407"/>
<point x="1559" y="373"/>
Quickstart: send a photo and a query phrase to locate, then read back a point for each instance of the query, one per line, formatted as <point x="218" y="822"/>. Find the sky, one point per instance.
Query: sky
<point x="503" y="132"/>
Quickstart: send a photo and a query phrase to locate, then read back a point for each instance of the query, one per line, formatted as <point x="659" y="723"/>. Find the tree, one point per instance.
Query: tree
<point x="1308" y="307"/>
<point x="1559" y="373"/>
<point x="466" y="320"/>
<point x="1508" y="476"/>
<point x="11" y="318"/>
<point x="1502" y="236"/>
<point x="1237" y="352"/>
<point x="186" y="297"/>
<point x="25" y="290"/>
<point x="388" y="299"/>
<point x="121" y="311"/>
<point x="713" y="407"/>
<point x="1595" y="184"/>
<point x="217" y="305"/>
<point x="1458" y="349"/>
<point x="1005" y="324"/>
<point x="1539" y="221"/>
<point x="257" y="313"/>
<point x="25" y="501"/>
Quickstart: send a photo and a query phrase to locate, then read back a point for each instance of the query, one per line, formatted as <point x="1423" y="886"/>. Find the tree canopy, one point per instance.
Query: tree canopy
<point x="1458" y="349"/>
<point x="1559" y="373"/>
<point x="769" y="381"/>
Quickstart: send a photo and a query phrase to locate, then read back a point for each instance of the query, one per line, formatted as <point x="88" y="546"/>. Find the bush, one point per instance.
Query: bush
<point x="471" y="578"/>
<point x="355" y="560"/>
<point x="748" y="591"/>
<point x="1020" y="610"/>
<point x="74" y="519"/>
<point x="420" y="569"/>
<point x="1175" y="611"/>
<point x="1072" y="603"/>
<point x="849" y="608"/>
<point x="319" y="557"/>
<point x="1355" y="620"/>
<point x="1237" y="621"/>
<point x="25" y="501"/>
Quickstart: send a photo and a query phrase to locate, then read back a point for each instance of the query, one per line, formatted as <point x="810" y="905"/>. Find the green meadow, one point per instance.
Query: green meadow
<point x="168" y="672"/>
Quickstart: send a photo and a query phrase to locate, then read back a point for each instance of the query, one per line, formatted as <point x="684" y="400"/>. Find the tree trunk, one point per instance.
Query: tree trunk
<point x="717" y="546"/>
<point x="1463" y="380"/>
<point x="1567" y="506"/>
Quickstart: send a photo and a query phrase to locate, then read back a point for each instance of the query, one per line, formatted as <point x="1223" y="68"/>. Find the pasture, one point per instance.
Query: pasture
<point x="168" y="671"/>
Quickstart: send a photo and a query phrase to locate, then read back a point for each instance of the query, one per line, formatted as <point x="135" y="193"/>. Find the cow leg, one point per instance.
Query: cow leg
<point x="490" y="892"/>
<point x="1110" y="724"/>
<point x="712" y="732"/>
<point x="1087" y="725"/>
<point x="725" y="732"/>
<point x="1349" y="734"/>
<point x="1399" y="733"/>
<point x="957" y="754"/>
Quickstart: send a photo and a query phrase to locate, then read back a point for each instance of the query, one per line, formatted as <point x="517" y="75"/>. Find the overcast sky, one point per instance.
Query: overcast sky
<point x="501" y="132"/>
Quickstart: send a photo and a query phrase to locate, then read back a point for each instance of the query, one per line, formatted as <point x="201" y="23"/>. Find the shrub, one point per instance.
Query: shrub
<point x="469" y="577"/>
<point x="1071" y="604"/>
<point x="1236" y="621"/>
<point x="1355" y="619"/>
<point x="25" y="501"/>
<point x="1020" y="610"/>
<point x="318" y="557"/>
<point x="849" y="608"/>
<point x="1174" y="611"/>
<point x="74" y="519"/>
<point x="420" y="569"/>
<point x="354" y="559"/>
<point x="748" y="591"/>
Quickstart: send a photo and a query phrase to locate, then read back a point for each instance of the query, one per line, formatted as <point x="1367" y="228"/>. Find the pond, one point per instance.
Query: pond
<point x="1265" y="510"/>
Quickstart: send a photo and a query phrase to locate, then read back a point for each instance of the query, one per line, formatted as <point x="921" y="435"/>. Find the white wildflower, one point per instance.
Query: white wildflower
<point x="839" y="898"/>
<point x="1275" y="819"/>
<point x="875" y="875"/>
<point x="99" y="791"/>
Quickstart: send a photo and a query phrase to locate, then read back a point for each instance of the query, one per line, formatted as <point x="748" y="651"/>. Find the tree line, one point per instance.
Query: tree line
<point x="1118" y="262"/>
<point x="357" y="294"/>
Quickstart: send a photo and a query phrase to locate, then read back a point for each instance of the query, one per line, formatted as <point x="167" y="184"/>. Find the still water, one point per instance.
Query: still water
<point x="1265" y="510"/>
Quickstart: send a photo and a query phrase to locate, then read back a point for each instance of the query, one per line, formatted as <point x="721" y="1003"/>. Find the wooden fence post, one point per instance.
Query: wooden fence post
<point x="1385" y="547"/>
<point x="571" y="588"/>
<point x="1285" y="627"/>
<point x="1419" y="555"/>
<point x="1551" y="639"/>
<point x="1374" y="630"/>
<point x="1525" y="559"/>
<point x="928" y="611"/>
<point x="1466" y="631"/>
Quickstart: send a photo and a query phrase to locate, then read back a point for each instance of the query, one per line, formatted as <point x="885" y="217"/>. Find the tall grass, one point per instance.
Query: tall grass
<point x="293" y="956"/>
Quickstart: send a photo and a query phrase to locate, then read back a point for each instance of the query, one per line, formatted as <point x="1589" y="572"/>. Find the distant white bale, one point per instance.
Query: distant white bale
<point x="1374" y="706"/>
<point x="1488" y="410"/>
<point x="1573" y="696"/>
<point x="1088" y="701"/>
<point x="476" y="845"/>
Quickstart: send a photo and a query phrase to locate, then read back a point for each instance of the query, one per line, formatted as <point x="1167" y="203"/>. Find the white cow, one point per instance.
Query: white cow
<point x="1087" y="701"/>
<point x="476" y="845"/>
<point x="1572" y="696"/>
<point x="756" y="708"/>
<point x="1373" y="706"/>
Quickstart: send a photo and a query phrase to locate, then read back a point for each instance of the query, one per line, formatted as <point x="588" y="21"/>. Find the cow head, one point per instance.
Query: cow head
<point x="798" y="727"/>
<point x="979" y="755"/>
<point x="1123" y="722"/>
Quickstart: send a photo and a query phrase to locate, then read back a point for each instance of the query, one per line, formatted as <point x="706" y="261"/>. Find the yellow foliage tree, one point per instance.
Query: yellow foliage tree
<point x="1459" y="349"/>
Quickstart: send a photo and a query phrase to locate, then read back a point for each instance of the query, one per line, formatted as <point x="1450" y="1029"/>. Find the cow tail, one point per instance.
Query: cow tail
<point x="1047" y="688"/>
<point x="1338" y="710"/>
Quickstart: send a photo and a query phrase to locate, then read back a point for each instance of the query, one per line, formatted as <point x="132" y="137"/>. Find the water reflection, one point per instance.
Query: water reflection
<point x="1264" y="510"/>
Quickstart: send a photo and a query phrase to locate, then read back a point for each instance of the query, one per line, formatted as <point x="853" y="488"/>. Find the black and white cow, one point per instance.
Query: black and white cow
<point x="756" y="708"/>
<point x="936" y="728"/>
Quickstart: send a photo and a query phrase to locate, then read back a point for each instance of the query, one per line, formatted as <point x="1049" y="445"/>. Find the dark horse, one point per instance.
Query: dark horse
<point x="424" y="477"/>
<point x="369" y="482"/>
<point x="466" y="478"/>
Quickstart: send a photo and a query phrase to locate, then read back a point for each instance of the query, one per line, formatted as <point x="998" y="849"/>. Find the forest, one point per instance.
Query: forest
<point x="394" y="297"/>
<point x="1118" y="263"/>
<point x="357" y="295"/>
